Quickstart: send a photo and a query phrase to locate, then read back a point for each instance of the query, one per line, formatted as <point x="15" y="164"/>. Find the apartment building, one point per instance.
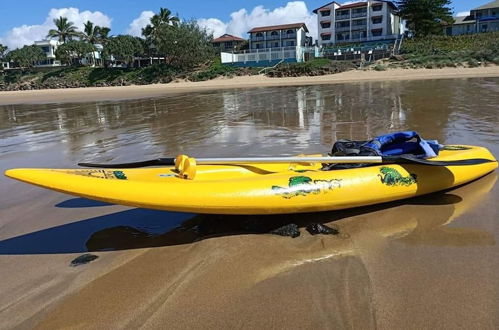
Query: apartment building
<point x="227" y="42"/>
<point x="357" y="22"/>
<point x="481" y="19"/>
<point x="276" y="36"/>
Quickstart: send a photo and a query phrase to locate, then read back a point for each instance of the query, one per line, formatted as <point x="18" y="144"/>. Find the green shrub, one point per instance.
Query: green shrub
<point x="379" y="67"/>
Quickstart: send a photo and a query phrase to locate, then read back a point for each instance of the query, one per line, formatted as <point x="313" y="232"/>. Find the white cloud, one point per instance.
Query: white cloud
<point x="135" y="28"/>
<point x="242" y="21"/>
<point x="27" y="34"/>
<point x="463" y="13"/>
<point x="213" y="25"/>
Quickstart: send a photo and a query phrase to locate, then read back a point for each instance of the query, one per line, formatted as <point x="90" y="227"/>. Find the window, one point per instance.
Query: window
<point x="46" y="49"/>
<point x="326" y="13"/>
<point x="342" y="13"/>
<point x="275" y="44"/>
<point x="377" y="20"/>
<point x="325" y="25"/>
<point x="258" y="46"/>
<point x="290" y="43"/>
<point x="259" y="35"/>
<point x="484" y="27"/>
<point x="274" y="33"/>
<point x="377" y="32"/>
<point x="341" y="36"/>
<point x="377" y="7"/>
<point x="359" y="22"/>
<point x="228" y="44"/>
<point x="326" y="37"/>
<point x="290" y="32"/>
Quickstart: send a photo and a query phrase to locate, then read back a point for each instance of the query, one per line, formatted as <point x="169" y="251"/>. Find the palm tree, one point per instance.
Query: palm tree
<point x="65" y="30"/>
<point x="90" y="33"/>
<point x="159" y="21"/>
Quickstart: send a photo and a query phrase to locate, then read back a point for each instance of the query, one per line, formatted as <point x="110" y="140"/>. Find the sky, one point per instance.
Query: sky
<point x="24" y="21"/>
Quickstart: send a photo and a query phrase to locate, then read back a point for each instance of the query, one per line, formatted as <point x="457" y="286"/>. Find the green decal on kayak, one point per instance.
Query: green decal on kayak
<point x="392" y="177"/>
<point x="303" y="186"/>
<point x="97" y="173"/>
<point x="119" y="175"/>
<point x="455" y="148"/>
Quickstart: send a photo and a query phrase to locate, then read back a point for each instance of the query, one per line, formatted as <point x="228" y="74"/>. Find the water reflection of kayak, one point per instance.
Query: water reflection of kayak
<point x="262" y="188"/>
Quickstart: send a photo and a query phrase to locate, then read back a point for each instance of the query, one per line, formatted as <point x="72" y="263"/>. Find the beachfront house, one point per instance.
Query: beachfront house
<point x="270" y="45"/>
<point x="49" y="46"/>
<point x="481" y="19"/>
<point x="276" y="36"/>
<point x="227" y="42"/>
<point x="358" y="22"/>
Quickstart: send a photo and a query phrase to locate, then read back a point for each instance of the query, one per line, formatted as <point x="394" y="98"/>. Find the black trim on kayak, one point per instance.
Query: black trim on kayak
<point x="145" y="163"/>
<point x="404" y="159"/>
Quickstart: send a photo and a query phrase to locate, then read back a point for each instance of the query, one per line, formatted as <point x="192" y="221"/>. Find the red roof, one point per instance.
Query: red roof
<point x="323" y="7"/>
<point x="353" y="5"/>
<point x="279" y="27"/>
<point x="227" y="37"/>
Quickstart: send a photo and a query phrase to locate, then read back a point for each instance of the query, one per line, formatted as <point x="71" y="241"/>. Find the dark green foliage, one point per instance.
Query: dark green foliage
<point x="425" y="17"/>
<point x="27" y="56"/>
<point x="3" y="51"/>
<point x="72" y="52"/>
<point x="124" y="48"/>
<point x="185" y="45"/>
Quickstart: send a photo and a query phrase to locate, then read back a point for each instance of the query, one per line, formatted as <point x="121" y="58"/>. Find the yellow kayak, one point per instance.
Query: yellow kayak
<point x="262" y="188"/>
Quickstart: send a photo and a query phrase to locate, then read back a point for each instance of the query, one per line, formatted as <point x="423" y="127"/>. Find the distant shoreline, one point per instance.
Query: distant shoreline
<point x="158" y="90"/>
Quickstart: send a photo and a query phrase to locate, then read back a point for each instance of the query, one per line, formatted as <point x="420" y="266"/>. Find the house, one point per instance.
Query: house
<point x="271" y="45"/>
<point x="227" y="42"/>
<point x="276" y="36"/>
<point x="49" y="47"/>
<point x="481" y="19"/>
<point x="357" y="22"/>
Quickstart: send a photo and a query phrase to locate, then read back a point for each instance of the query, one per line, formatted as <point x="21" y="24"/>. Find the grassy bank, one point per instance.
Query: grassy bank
<point x="444" y="51"/>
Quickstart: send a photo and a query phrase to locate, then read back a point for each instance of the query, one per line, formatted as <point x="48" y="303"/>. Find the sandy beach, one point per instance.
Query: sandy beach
<point x="424" y="263"/>
<point x="157" y="90"/>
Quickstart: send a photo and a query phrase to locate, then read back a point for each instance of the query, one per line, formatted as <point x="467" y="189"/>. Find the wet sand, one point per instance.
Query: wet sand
<point x="424" y="263"/>
<point x="157" y="90"/>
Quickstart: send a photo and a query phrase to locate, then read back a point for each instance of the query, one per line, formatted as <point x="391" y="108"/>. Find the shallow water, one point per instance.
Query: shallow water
<point x="425" y="262"/>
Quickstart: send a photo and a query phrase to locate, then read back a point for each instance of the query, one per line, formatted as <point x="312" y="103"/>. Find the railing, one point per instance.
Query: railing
<point x="257" y="38"/>
<point x="277" y="37"/>
<point x="359" y="27"/>
<point x="342" y="28"/>
<point x="360" y="14"/>
<point x="340" y="17"/>
<point x="256" y="55"/>
<point x="289" y="36"/>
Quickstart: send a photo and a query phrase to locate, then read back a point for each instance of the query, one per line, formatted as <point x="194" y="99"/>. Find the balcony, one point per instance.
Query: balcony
<point x="274" y="37"/>
<point x="342" y="28"/>
<point x="289" y="36"/>
<point x="342" y="17"/>
<point x="254" y="38"/>
<point x="359" y="27"/>
<point x="359" y="14"/>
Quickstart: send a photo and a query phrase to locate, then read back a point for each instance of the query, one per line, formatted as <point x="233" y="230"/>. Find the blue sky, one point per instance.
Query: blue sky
<point x="120" y="13"/>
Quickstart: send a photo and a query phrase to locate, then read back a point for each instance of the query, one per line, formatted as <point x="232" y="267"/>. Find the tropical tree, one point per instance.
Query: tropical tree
<point x="73" y="52"/>
<point x="27" y="56"/>
<point x="426" y="17"/>
<point x="3" y="51"/>
<point x="124" y="48"/>
<point x="65" y="31"/>
<point x="159" y="23"/>
<point x="186" y="45"/>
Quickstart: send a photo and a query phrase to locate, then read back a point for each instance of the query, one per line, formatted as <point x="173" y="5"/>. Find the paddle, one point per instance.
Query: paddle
<point x="404" y="159"/>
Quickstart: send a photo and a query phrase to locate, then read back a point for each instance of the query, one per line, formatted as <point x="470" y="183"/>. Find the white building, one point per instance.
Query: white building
<point x="275" y="36"/>
<point x="271" y="45"/>
<point x="370" y="20"/>
<point x="49" y="47"/>
<point x="481" y="19"/>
